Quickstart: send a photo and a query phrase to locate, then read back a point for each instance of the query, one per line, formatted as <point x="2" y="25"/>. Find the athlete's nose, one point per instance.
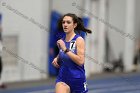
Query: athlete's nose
<point x="65" y="26"/>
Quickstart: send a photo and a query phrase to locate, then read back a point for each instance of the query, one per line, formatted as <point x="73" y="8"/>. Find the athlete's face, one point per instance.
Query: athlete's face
<point x="68" y="24"/>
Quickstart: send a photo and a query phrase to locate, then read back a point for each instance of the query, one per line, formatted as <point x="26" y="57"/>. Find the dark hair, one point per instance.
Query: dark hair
<point x="78" y="20"/>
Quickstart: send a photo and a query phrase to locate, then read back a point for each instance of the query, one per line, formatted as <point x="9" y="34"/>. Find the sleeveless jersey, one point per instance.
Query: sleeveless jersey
<point x="68" y="68"/>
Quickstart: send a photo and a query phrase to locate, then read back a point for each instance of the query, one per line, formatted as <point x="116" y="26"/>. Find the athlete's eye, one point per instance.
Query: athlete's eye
<point x="63" y="22"/>
<point x="68" y="22"/>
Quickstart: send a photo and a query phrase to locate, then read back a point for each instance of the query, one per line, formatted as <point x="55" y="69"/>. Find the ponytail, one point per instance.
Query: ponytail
<point x="80" y="26"/>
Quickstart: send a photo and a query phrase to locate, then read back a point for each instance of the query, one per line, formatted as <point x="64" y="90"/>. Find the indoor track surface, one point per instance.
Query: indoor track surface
<point x="114" y="84"/>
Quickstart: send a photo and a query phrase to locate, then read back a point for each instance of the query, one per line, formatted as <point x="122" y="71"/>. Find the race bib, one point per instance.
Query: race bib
<point x="72" y="45"/>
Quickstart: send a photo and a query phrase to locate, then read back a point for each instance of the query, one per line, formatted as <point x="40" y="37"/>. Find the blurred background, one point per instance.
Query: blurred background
<point x="29" y="33"/>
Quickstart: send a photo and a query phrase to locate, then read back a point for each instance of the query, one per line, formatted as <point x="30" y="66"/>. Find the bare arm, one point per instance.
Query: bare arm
<point x="78" y="58"/>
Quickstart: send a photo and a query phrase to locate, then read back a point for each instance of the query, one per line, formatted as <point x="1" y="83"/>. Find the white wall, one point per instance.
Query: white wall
<point x="137" y="34"/>
<point x="32" y="43"/>
<point x="117" y="14"/>
<point x="67" y="6"/>
<point x="129" y="28"/>
<point x="94" y="26"/>
<point x="121" y="15"/>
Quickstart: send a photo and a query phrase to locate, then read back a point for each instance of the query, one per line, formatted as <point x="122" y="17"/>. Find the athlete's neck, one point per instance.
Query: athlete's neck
<point x="69" y="36"/>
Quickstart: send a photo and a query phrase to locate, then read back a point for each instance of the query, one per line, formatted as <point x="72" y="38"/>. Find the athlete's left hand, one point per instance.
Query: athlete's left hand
<point x="61" y="44"/>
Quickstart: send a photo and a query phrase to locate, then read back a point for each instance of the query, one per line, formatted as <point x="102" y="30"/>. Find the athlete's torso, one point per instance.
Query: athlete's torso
<point x="68" y="68"/>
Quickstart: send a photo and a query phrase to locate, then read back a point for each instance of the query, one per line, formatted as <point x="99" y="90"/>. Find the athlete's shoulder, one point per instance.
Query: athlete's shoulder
<point x="80" y="41"/>
<point x="79" y="38"/>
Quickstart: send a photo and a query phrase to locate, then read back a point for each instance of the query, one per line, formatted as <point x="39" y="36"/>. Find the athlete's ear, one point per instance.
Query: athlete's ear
<point x="75" y="25"/>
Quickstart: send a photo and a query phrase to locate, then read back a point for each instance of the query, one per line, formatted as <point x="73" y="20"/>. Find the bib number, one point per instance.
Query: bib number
<point x="72" y="45"/>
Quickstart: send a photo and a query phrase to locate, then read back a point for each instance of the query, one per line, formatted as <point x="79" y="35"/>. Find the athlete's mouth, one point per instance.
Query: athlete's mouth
<point x="65" y="28"/>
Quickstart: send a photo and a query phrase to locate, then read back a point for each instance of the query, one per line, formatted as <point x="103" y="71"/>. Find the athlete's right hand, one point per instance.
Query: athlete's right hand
<point x="55" y="63"/>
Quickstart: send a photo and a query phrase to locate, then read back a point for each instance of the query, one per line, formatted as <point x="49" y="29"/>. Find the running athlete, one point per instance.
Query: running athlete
<point x="70" y="60"/>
